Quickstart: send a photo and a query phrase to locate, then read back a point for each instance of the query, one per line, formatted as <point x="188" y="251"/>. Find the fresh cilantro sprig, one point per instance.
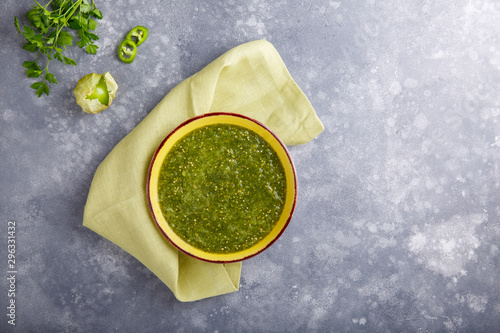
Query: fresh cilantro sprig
<point x="48" y="35"/>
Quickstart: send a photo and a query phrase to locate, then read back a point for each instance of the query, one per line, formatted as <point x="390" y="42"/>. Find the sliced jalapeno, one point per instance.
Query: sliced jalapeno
<point x="127" y="51"/>
<point x="138" y="35"/>
<point x="128" y="47"/>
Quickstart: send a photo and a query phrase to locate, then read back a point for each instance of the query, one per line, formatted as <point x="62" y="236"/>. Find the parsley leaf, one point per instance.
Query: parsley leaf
<point x="65" y="39"/>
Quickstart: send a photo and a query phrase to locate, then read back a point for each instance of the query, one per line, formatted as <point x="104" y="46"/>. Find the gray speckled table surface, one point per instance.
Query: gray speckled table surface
<point x="397" y="224"/>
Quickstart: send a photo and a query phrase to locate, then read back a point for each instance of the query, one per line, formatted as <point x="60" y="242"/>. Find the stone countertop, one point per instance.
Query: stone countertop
<point x="397" y="224"/>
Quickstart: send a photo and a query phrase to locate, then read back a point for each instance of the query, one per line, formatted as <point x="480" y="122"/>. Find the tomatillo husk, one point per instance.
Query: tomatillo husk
<point x="86" y="87"/>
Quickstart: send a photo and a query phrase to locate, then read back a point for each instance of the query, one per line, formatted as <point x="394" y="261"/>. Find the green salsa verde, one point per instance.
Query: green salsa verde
<point x="222" y="188"/>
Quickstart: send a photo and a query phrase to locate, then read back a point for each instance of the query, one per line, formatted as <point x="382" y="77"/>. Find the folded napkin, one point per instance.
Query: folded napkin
<point x="250" y="79"/>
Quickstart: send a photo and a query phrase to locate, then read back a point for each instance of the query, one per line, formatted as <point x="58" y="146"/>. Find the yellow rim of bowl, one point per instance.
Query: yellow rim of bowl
<point x="211" y="119"/>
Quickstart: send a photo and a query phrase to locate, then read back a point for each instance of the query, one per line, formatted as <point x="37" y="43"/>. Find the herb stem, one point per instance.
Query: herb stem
<point x="75" y="6"/>
<point x="39" y="4"/>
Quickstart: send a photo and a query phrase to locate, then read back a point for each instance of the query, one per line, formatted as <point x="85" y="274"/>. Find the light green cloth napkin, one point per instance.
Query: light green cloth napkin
<point x="250" y="79"/>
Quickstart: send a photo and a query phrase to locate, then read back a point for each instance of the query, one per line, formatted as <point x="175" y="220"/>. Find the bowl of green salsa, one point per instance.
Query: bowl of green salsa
<point x="222" y="187"/>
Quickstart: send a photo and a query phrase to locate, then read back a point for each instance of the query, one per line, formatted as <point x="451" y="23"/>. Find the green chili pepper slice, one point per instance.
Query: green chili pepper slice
<point x="138" y="35"/>
<point x="127" y="51"/>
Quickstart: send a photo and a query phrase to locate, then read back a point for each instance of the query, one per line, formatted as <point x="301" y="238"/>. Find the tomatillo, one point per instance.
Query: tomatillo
<point x="95" y="92"/>
<point x="100" y="92"/>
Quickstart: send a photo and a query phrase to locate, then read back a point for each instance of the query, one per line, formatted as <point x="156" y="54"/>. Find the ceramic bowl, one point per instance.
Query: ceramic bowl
<point x="211" y="119"/>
